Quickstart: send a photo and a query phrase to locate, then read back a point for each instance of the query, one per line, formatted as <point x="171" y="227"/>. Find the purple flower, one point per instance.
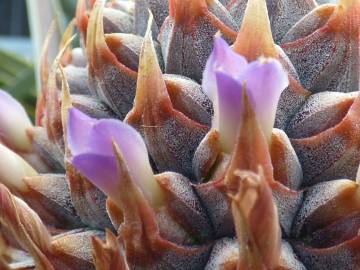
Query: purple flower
<point x="91" y="145"/>
<point x="13" y="123"/>
<point x="225" y="76"/>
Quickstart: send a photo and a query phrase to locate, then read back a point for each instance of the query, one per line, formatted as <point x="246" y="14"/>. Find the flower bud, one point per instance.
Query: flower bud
<point x="13" y="123"/>
<point x="13" y="169"/>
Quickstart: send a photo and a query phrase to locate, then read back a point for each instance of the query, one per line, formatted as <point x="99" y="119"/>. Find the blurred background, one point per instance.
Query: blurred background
<point x="23" y="27"/>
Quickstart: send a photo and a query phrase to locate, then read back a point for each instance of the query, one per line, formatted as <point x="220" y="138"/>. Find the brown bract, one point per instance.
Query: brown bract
<point x="186" y="37"/>
<point x="53" y="119"/>
<point x="327" y="56"/>
<point x="320" y="112"/>
<point x="26" y="227"/>
<point x="255" y="40"/>
<point x="283" y="13"/>
<point x="287" y="167"/>
<point x="326" y="203"/>
<point x="115" y="213"/>
<point x="184" y="207"/>
<point x="333" y="153"/>
<point x="73" y="248"/>
<point x="44" y="75"/>
<point x="49" y="194"/>
<point x="170" y="136"/>
<point x="82" y="19"/>
<point x="52" y="111"/>
<point x="140" y="235"/>
<point x="256" y="221"/>
<point x="179" y="10"/>
<point x="342" y="256"/>
<point x="108" y="255"/>
<point x="110" y="79"/>
<point x="250" y="151"/>
<point x="255" y="29"/>
<point x="88" y="200"/>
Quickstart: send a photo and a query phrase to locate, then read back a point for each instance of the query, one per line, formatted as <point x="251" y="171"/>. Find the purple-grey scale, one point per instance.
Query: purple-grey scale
<point x="76" y="247"/>
<point x="190" y="100"/>
<point x="52" y="155"/>
<point x="333" y="258"/>
<point x="332" y="158"/>
<point x="78" y="58"/>
<point x="50" y="195"/>
<point x="117" y="21"/>
<point x="113" y="85"/>
<point x="129" y="51"/>
<point x="320" y="112"/>
<point x="288" y="203"/>
<point x="325" y="61"/>
<point x="205" y="156"/>
<point x="336" y="232"/>
<point x="225" y="251"/>
<point x="92" y="106"/>
<point x="217" y="206"/>
<point x="185" y="52"/>
<point x="283" y="14"/>
<point x="314" y="198"/>
<point x="158" y="8"/>
<point x="185" y="205"/>
<point x="289" y="161"/>
<point x="288" y="258"/>
<point x="115" y="89"/>
<point x="172" y="145"/>
<point x="224" y="2"/>
<point x="322" y="2"/>
<point x="77" y="78"/>
<point x="88" y="200"/>
<point x="292" y="97"/>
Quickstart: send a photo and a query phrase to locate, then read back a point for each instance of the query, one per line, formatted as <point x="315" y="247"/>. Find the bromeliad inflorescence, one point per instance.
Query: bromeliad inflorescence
<point x="189" y="134"/>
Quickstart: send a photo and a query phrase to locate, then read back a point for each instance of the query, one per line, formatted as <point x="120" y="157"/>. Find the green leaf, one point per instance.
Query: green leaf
<point x="17" y="76"/>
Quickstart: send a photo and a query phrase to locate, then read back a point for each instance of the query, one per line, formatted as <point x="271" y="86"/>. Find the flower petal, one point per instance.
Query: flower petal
<point x="13" y="123"/>
<point x="222" y="58"/>
<point x="78" y="131"/>
<point x="130" y="143"/>
<point x="227" y="116"/>
<point x="265" y="80"/>
<point x="98" y="169"/>
<point x="91" y="143"/>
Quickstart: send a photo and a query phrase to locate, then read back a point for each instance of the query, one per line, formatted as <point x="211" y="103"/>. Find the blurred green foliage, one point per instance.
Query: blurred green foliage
<point x="17" y="75"/>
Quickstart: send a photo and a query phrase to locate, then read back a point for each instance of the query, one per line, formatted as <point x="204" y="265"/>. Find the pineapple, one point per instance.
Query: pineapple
<point x="189" y="134"/>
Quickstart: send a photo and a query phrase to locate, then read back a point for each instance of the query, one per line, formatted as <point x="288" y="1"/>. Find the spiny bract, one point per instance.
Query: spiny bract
<point x="189" y="134"/>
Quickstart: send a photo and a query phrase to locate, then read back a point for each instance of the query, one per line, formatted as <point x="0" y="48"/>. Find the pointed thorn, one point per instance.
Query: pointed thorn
<point x="255" y="37"/>
<point x="151" y="86"/>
